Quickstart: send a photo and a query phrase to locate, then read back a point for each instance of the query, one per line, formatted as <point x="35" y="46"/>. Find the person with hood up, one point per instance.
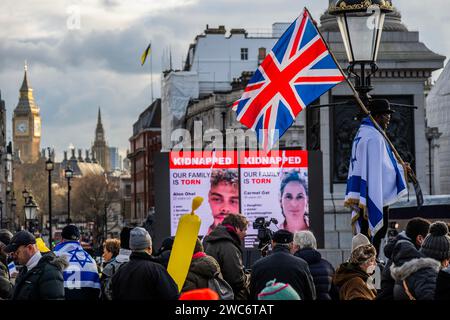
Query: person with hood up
<point x="202" y="269"/>
<point x="410" y="240"/>
<point x="415" y="273"/>
<point x="353" y="278"/>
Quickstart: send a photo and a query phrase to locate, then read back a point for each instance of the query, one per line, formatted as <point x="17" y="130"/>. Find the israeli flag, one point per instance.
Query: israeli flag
<point x="82" y="270"/>
<point x="375" y="178"/>
<point x="12" y="268"/>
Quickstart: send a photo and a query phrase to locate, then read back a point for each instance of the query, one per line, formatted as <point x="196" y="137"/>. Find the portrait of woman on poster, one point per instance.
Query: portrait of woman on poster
<point x="294" y="202"/>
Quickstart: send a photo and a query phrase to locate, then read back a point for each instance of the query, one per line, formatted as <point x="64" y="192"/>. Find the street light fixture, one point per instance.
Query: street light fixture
<point x="25" y="194"/>
<point x="49" y="166"/>
<point x="30" y="212"/>
<point x="361" y="25"/>
<point x="68" y="174"/>
<point x="13" y="209"/>
<point x="1" y="214"/>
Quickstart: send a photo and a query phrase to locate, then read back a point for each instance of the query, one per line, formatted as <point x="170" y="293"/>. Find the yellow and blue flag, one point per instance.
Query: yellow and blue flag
<point x="146" y="53"/>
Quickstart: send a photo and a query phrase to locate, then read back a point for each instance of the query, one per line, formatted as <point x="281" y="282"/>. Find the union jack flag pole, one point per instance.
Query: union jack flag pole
<point x="411" y="174"/>
<point x="355" y="93"/>
<point x="297" y="71"/>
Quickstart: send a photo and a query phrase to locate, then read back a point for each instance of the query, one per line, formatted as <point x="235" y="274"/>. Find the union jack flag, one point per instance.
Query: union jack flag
<point x="297" y="71"/>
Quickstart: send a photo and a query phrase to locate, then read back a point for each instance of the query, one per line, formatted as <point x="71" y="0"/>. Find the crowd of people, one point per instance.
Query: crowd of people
<point x="417" y="267"/>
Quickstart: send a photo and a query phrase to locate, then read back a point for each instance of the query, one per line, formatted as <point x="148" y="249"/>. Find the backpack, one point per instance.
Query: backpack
<point x="408" y="293"/>
<point x="222" y="288"/>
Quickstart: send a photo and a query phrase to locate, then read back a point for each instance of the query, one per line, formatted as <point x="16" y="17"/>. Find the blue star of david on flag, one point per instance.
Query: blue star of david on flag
<point x="75" y="257"/>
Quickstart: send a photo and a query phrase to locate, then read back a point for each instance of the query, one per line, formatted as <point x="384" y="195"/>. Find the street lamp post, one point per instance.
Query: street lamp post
<point x="361" y="25"/>
<point x="106" y="221"/>
<point x="30" y="212"/>
<point x="50" y="166"/>
<point x="68" y="173"/>
<point x="1" y="214"/>
<point x="13" y="210"/>
<point x="25" y="195"/>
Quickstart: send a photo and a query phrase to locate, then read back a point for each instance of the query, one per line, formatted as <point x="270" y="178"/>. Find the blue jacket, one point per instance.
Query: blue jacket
<point x="322" y="272"/>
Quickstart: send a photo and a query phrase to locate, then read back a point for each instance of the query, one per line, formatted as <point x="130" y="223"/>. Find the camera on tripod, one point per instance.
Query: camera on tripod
<point x="264" y="233"/>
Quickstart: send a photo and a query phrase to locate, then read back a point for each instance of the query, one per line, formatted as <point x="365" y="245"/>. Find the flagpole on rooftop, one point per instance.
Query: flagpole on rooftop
<point x="151" y="74"/>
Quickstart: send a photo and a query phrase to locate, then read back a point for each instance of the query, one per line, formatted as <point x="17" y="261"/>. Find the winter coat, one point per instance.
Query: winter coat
<point x="44" y="282"/>
<point x="105" y="280"/>
<point x="387" y="284"/>
<point x="202" y="269"/>
<point x="322" y="272"/>
<point x="110" y="270"/>
<point x="443" y="285"/>
<point x="225" y="247"/>
<point x="419" y="273"/>
<point x="353" y="283"/>
<point x="286" y="268"/>
<point x="6" y="287"/>
<point x="143" y="279"/>
<point x="163" y="258"/>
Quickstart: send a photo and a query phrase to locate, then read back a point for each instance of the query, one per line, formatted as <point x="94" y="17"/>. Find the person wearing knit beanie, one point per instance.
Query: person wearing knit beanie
<point x="278" y="291"/>
<point x="437" y="243"/>
<point x="415" y="272"/>
<point x="359" y="240"/>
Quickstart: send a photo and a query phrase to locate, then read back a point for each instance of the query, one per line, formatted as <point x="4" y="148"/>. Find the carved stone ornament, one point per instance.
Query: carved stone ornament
<point x="359" y="6"/>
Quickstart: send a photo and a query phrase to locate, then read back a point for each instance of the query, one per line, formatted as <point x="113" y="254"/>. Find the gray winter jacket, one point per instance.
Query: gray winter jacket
<point x="420" y="276"/>
<point x="110" y="270"/>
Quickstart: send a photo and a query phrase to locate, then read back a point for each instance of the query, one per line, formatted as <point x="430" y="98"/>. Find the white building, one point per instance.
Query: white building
<point x="438" y="117"/>
<point x="218" y="57"/>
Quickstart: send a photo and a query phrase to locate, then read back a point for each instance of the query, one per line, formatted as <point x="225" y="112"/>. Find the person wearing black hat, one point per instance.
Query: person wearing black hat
<point x="375" y="179"/>
<point x="41" y="277"/>
<point x="283" y="266"/>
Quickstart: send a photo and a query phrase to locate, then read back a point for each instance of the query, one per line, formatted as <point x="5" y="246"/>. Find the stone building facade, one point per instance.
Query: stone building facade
<point x="144" y="145"/>
<point x="438" y="119"/>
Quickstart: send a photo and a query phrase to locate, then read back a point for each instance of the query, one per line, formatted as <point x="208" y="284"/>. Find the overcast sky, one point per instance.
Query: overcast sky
<point x="79" y="62"/>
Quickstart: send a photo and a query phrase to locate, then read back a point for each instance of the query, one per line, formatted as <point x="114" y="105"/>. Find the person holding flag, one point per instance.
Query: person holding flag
<point x="81" y="278"/>
<point x="375" y="179"/>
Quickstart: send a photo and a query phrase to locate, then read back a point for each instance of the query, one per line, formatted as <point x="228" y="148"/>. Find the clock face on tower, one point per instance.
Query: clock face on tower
<point x="22" y="127"/>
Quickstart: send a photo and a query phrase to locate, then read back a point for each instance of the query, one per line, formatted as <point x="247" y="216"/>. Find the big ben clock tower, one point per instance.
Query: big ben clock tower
<point x="27" y="124"/>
